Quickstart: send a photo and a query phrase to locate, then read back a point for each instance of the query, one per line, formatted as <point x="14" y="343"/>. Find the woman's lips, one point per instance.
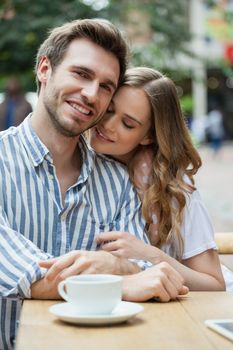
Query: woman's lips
<point x="102" y="136"/>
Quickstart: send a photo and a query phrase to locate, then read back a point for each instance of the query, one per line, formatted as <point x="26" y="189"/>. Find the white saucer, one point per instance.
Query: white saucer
<point x="123" y="312"/>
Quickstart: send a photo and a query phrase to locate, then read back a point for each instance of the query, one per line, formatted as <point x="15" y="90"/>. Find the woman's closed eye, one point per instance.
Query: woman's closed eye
<point x="128" y="125"/>
<point x="129" y="122"/>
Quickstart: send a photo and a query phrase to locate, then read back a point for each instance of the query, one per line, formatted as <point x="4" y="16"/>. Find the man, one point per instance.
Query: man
<point x="57" y="195"/>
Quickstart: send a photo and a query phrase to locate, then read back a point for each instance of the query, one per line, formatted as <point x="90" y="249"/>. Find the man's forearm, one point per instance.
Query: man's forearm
<point x="19" y="256"/>
<point x="44" y="289"/>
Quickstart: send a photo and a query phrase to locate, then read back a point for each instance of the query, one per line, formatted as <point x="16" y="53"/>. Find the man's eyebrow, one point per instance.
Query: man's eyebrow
<point x="92" y="73"/>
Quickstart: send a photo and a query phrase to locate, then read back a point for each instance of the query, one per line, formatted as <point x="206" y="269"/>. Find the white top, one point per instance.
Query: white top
<point x="196" y="230"/>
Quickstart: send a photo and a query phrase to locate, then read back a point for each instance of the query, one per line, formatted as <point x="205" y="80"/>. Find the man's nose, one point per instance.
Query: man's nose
<point x="90" y="91"/>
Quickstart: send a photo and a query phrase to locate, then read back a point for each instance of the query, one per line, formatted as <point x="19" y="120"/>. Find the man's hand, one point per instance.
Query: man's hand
<point x="160" y="281"/>
<point x="86" y="262"/>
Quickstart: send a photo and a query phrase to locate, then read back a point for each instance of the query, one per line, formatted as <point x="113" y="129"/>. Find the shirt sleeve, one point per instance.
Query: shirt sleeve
<point x="197" y="230"/>
<point x="19" y="258"/>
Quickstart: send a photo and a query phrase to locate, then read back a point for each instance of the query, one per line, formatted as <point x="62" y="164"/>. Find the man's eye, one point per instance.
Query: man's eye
<point x="82" y="74"/>
<point x="106" y="88"/>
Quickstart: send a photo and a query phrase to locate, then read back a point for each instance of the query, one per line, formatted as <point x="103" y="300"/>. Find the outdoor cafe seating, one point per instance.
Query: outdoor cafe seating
<point x="174" y="325"/>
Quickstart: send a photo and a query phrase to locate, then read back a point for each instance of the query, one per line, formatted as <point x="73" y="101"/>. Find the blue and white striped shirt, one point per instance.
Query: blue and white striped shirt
<point x="34" y="222"/>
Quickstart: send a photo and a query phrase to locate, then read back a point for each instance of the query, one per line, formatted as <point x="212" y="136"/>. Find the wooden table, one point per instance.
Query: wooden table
<point x="227" y="260"/>
<point x="175" y="325"/>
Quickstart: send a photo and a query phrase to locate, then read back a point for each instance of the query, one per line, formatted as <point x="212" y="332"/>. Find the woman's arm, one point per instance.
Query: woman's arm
<point x="200" y="272"/>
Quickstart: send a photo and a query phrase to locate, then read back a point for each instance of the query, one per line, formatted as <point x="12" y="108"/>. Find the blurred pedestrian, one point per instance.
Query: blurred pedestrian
<point x="198" y="127"/>
<point x="215" y="130"/>
<point x="14" y="107"/>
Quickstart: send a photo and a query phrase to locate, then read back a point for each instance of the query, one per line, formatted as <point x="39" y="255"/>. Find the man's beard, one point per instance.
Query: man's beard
<point x="49" y="104"/>
<point x="54" y="117"/>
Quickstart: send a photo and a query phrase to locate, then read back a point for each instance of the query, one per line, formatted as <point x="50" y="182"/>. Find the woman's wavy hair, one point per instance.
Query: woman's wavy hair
<point x="175" y="159"/>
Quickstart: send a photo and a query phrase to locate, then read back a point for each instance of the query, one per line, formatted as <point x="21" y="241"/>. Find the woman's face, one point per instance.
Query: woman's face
<point x="125" y="125"/>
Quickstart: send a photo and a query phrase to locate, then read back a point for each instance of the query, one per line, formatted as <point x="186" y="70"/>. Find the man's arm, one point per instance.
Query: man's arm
<point x="74" y="263"/>
<point x="161" y="282"/>
<point x="18" y="261"/>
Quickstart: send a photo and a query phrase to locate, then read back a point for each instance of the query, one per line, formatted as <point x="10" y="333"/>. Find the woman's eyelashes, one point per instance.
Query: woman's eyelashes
<point x="128" y="125"/>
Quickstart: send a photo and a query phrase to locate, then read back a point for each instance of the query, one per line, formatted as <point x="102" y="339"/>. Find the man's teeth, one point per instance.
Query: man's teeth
<point x="80" y="109"/>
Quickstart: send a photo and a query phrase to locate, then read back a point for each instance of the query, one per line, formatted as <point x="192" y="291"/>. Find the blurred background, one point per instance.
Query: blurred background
<point x="189" y="40"/>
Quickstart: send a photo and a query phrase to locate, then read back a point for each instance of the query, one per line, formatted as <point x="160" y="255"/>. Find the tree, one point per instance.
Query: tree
<point x="24" y="25"/>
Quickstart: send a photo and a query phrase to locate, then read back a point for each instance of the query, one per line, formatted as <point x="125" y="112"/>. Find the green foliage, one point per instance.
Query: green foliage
<point x="187" y="104"/>
<point x="28" y="27"/>
<point x="24" y="25"/>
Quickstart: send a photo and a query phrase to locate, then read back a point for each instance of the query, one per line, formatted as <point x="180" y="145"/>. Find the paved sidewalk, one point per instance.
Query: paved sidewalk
<point x="215" y="183"/>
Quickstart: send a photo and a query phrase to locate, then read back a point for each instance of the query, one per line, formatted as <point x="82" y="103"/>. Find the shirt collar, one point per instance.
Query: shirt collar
<point x="37" y="151"/>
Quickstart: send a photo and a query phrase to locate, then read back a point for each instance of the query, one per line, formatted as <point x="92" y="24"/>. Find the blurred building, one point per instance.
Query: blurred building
<point x="210" y="67"/>
<point x="212" y="85"/>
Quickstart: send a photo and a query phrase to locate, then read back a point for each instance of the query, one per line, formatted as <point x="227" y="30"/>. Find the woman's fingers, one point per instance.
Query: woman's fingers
<point x="106" y="236"/>
<point x="47" y="263"/>
<point x="110" y="246"/>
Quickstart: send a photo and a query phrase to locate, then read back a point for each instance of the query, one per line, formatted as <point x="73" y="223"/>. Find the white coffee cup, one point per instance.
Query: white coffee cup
<point x="92" y="294"/>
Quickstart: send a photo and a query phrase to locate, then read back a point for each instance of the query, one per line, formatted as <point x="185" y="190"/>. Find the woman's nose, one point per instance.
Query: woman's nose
<point x="109" y="122"/>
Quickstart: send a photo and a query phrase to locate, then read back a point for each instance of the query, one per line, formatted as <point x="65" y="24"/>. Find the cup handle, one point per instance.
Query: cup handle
<point x="61" y="290"/>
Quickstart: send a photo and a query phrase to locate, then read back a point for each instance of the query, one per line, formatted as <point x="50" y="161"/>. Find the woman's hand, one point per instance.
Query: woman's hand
<point x="160" y="281"/>
<point x="123" y="244"/>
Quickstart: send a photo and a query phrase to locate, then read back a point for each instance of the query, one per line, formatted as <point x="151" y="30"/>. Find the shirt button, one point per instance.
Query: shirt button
<point x="51" y="177"/>
<point x="63" y="216"/>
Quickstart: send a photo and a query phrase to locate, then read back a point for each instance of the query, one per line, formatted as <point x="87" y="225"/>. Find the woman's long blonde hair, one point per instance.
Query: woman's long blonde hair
<point x="174" y="156"/>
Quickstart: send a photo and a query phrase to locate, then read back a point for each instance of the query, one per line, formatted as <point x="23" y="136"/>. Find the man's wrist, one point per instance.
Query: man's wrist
<point x="42" y="289"/>
<point x="127" y="267"/>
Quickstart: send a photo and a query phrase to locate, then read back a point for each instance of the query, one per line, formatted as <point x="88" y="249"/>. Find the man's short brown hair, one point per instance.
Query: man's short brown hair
<point x="99" y="31"/>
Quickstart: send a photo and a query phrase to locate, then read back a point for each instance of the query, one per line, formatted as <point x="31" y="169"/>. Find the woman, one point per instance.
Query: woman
<point x="144" y="129"/>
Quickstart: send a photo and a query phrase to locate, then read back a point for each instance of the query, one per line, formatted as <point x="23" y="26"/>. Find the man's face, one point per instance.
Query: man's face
<point x="77" y="92"/>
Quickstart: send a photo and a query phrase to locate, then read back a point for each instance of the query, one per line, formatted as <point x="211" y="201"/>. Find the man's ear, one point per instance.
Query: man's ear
<point x="147" y="140"/>
<point x="43" y="70"/>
